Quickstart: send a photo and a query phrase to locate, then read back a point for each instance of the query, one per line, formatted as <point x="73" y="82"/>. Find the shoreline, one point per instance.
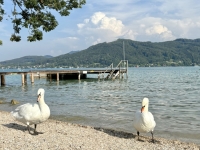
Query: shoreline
<point x="63" y="135"/>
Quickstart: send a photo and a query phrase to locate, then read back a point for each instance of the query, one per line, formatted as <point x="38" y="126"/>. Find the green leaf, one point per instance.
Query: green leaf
<point x="35" y="15"/>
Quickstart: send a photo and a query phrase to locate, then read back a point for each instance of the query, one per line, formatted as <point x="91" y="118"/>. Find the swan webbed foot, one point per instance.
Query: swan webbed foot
<point x="36" y="133"/>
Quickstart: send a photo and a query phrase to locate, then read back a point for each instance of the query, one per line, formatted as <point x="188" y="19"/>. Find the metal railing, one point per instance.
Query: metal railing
<point x="108" y="68"/>
<point x="122" y="68"/>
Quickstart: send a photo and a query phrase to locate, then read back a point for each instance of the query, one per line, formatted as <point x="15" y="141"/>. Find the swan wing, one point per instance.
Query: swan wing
<point x="27" y="113"/>
<point x="137" y="121"/>
<point x="149" y="121"/>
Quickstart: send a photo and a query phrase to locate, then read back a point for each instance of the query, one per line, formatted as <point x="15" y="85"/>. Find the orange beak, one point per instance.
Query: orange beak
<point x="142" y="109"/>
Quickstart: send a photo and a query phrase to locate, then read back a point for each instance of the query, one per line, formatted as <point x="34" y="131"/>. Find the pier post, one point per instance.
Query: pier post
<point x="79" y="76"/>
<point x="99" y="76"/>
<point x="25" y="78"/>
<point x="119" y="76"/>
<point x="127" y="69"/>
<point x="3" y="82"/>
<point x="22" y="78"/>
<point x="32" y="78"/>
<point x="50" y="77"/>
<point x="57" y="76"/>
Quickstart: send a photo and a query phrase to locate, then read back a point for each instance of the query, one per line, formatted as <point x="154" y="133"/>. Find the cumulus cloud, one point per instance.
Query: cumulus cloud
<point x="112" y="24"/>
<point x="97" y="17"/>
<point x="102" y="28"/>
<point x="161" y="30"/>
<point x="100" y="21"/>
<point x="156" y="29"/>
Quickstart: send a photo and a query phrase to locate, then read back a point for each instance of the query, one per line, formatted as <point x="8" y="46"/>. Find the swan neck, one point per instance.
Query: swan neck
<point x="41" y="101"/>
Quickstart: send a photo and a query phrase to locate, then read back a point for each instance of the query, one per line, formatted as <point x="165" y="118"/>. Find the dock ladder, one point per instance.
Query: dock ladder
<point x="117" y="72"/>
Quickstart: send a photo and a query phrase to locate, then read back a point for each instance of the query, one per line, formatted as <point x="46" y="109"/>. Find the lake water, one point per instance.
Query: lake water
<point x="173" y="93"/>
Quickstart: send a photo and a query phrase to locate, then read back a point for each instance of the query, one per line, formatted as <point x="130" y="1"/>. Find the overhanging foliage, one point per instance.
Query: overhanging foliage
<point x="37" y="16"/>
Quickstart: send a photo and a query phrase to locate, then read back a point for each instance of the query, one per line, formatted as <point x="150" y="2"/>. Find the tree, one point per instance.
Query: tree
<point x="37" y="16"/>
<point x="1" y="14"/>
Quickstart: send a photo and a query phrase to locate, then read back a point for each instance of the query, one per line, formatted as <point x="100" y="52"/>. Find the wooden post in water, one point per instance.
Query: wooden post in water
<point x="25" y="78"/>
<point x="3" y="82"/>
<point x="99" y="76"/>
<point x="57" y="76"/>
<point x="127" y="69"/>
<point x="32" y="78"/>
<point x="22" y="78"/>
<point x="79" y="76"/>
<point x="50" y="77"/>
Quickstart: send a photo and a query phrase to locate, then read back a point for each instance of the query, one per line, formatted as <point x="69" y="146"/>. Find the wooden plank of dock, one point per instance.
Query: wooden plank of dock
<point x="75" y="74"/>
<point x="111" y="72"/>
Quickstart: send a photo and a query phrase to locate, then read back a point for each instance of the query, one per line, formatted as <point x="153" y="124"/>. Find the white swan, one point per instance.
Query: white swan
<point x="144" y="120"/>
<point x="33" y="113"/>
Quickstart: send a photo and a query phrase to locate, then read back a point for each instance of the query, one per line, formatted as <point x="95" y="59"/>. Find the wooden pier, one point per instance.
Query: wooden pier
<point x="62" y="74"/>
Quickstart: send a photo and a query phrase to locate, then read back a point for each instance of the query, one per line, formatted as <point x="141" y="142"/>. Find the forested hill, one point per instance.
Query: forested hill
<point x="24" y="61"/>
<point x="180" y="52"/>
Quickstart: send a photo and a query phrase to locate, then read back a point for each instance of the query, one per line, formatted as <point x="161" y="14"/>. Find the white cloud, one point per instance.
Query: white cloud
<point x="112" y="24"/>
<point x="167" y="36"/>
<point x="156" y="29"/>
<point x="129" y="34"/>
<point x="97" y="17"/>
<point x="80" y="25"/>
<point x="102" y="28"/>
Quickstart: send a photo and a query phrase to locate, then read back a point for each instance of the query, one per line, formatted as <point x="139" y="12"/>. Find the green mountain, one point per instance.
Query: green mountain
<point x="25" y="61"/>
<point x="180" y="52"/>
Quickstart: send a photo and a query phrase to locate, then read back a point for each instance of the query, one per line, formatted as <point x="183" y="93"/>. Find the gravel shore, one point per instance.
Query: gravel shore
<point x="57" y="135"/>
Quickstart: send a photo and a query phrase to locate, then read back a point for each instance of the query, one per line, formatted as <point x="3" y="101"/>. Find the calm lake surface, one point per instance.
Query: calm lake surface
<point x="173" y="93"/>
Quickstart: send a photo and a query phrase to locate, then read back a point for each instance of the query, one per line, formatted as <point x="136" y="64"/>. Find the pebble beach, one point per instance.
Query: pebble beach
<point x="57" y="135"/>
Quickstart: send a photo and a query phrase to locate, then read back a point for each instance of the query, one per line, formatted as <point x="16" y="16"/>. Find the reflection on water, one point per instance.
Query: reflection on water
<point x="173" y="93"/>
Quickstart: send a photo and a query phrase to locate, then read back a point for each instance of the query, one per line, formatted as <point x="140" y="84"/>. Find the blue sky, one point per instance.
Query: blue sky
<point x="106" y="21"/>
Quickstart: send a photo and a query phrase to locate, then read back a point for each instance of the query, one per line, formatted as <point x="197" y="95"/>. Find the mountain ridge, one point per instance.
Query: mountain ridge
<point x="179" y="52"/>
